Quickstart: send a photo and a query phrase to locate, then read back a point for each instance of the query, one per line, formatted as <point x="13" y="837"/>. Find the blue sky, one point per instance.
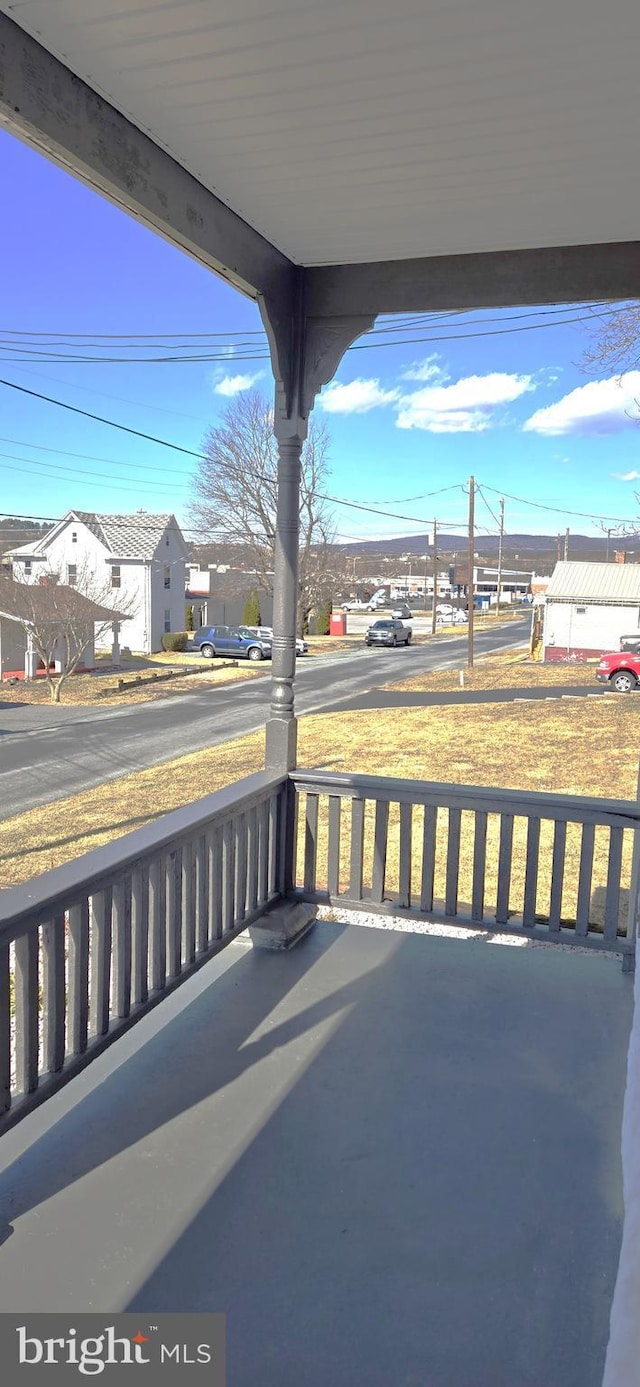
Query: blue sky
<point x="512" y="408"/>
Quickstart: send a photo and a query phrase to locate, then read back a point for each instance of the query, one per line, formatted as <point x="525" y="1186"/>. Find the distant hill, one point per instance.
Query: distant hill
<point x="527" y="549"/>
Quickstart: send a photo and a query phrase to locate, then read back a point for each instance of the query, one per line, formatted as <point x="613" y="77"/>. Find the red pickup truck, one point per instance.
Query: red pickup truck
<point x="621" y="669"/>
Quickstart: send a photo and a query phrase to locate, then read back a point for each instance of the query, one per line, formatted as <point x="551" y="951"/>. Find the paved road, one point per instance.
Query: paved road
<point x="76" y="748"/>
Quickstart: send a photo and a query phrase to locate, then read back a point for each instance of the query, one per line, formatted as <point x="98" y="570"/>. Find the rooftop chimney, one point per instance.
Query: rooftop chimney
<point x="620" y="556"/>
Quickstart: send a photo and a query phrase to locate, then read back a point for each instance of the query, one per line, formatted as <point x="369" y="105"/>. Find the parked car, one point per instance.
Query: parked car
<point x="388" y="632"/>
<point x="265" y="633"/>
<point x="357" y="605"/>
<point x="620" y="669"/>
<point x="232" y="642"/>
<point x="401" y="610"/>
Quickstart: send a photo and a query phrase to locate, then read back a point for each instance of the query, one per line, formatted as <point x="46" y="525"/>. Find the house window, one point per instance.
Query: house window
<point x="74" y="536"/>
<point x="115" y="575"/>
<point x="167" y="620"/>
<point x="72" y="574"/>
<point x="167" y="575"/>
<point x="580" y="611"/>
<point x="27" y="566"/>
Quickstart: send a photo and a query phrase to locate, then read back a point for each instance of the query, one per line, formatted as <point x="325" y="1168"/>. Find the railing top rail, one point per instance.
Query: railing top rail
<point x="94" y="870"/>
<point x="620" y="813"/>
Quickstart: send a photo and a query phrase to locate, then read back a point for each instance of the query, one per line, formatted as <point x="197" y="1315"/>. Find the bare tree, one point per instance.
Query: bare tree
<point x="236" y="488"/>
<point x="614" y="341"/>
<point x="62" y="621"/>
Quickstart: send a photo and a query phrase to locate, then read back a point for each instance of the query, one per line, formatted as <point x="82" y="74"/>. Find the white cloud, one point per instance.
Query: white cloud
<point x="631" y="476"/>
<point x="234" y="385"/>
<point x="468" y="405"/>
<point x="358" y="397"/>
<point x="600" y="407"/>
<point x="429" y="369"/>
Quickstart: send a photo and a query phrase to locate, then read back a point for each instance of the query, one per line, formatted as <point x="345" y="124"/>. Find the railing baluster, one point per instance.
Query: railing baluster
<point x="240" y="872"/>
<point x="380" y="836"/>
<point x="78" y="1012"/>
<point x="557" y="874"/>
<point x="333" y="848"/>
<point x="227" y="876"/>
<point x="505" y="852"/>
<point x="139" y="936"/>
<point x="404" y="865"/>
<point x="214" y="884"/>
<point x="311" y="843"/>
<point x="252" y="859"/>
<point x="272" y="852"/>
<point x="612" y="893"/>
<point x="5" y="1030"/>
<point x="479" y="865"/>
<point x="174" y="913"/>
<point x="356" y="868"/>
<point x="53" y="994"/>
<point x="188" y="906"/>
<point x="201" y="895"/>
<point x="531" y="874"/>
<point x="26" y="1011"/>
<point x="158" y="922"/>
<point x="263" y="851"/>
<point x="121" y="950"/>
<point x="584" y="878"/>
<point x="428" y="856"/>
<point x="100" y="962"/>
<point x="453" y="863"/>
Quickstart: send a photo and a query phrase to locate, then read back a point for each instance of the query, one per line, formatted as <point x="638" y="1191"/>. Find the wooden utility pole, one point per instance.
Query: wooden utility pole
<point x="566" y="544"/>
<point x="435" y="577"/>
<point x="470" y="584"/>
<point x="500" y="540"/>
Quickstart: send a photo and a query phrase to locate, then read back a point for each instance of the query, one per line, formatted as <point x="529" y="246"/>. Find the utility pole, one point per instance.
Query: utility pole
<point x="472" y="497"/>
<point x="558" y="539"/>
<point x="435" y="577"/>
<point x="608" y="543"/>
<point x="500" y="540"/>
<point x="566" y="544"/>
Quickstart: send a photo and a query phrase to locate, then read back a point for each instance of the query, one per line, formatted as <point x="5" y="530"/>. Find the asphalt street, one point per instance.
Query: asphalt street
<point x="48" y="753"/>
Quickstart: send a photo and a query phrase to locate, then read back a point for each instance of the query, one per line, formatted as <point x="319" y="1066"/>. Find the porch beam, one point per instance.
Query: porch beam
<point x="45" y="104"/>
<point x="491" y="279"/>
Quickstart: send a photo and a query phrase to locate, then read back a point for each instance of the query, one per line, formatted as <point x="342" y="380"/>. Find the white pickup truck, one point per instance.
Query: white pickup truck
<point x="358" y="605"/>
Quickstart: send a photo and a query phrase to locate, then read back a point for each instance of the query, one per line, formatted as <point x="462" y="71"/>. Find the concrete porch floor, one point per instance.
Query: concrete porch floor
<point x="392" y="1159"/>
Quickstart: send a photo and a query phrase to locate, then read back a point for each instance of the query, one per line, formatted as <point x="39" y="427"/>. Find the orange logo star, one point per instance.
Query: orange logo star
<point x="140" y="1338"/>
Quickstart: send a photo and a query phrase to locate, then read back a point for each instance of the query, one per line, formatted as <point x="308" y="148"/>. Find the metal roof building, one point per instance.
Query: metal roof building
<point x="588" y="608"/>
<point x="612" y="583"/>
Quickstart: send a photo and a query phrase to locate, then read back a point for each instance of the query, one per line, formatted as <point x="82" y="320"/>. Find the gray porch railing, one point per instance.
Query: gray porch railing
<point x="553" y="867"/>
<point x="90" y="947"/>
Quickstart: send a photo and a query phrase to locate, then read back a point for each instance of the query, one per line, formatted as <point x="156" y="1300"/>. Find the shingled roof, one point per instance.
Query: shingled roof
<point x="50" y="602"/>
<point x="125" y="536"/>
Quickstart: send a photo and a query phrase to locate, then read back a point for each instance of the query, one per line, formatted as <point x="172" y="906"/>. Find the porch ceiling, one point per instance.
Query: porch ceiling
<point x="350" y="131"/>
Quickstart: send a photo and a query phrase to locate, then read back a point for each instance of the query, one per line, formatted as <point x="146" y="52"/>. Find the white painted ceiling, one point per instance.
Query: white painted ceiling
<point x="355" y="130"/>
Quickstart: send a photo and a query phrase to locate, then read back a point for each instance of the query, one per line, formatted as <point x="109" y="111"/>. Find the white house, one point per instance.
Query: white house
<point x="588" y="607"/>
<point x="142" y="557"/>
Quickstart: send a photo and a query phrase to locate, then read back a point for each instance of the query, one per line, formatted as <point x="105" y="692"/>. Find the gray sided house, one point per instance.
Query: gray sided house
<point x="588" y="608"/>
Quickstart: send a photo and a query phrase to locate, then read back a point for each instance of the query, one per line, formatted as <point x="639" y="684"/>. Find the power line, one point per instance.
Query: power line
<point x="136" y="433"/>
<point x="559" y="510"/>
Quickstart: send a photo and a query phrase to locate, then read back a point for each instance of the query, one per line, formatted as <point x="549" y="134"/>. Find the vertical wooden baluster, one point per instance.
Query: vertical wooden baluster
<point x="78" y="1011"/>
<point x="263" y="852"/>
<point x="453" y="863"/>
<point x="428" y="856"/>
<point x="5" y="1029"/>
<point x="612" y="893"/>
<point x="240" y="869"/>
<point x="557" y="874"/>
<point x="333" y="847"/>
<point x="404" y="868"/>
<point x="380" y="837"/>
<point x="531" y="873"/>
<point x="584" y="878"/>
<point x="139" y="935"/>
<point x="201" y="893"/>
<point x="311" y="843"/>
<point x="214" y="876"/>
<point x="228" y="843"/>
<point x="272" y="859"/>
<point x="505" y="853"/>
<point x="158" y="922"/>
<point x="121" y="949"/>
<point x="100" y="962"/>
<point x="479" y="865"/>
<point x="252" y="859"/>
<point x="26" y="1011"/>
<point x="356" y="869"/>
<point x="53" y="994"/>
<point x="174" y="913"/>
<point x="188" y="906"/>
